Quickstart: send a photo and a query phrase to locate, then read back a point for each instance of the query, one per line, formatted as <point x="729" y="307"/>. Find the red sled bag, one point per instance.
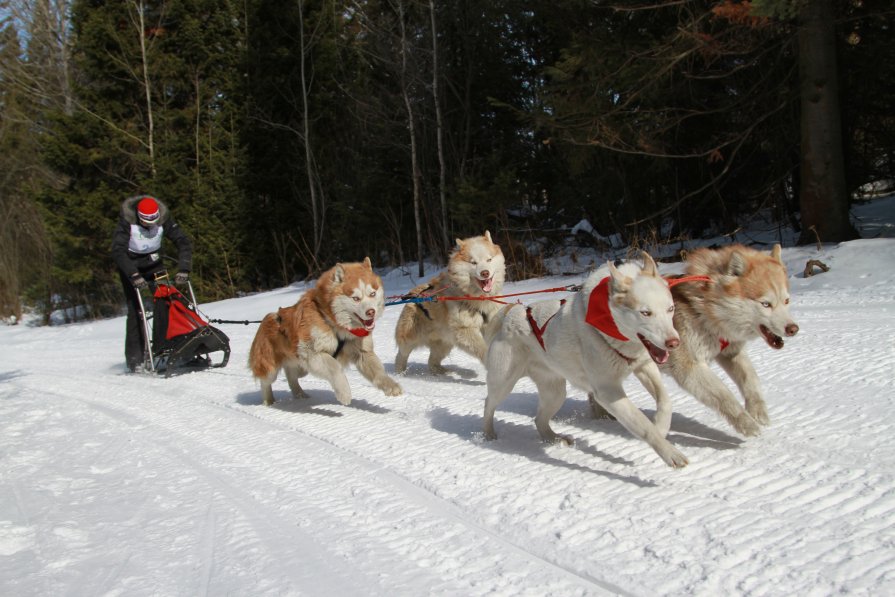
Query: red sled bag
<point x="180" y="336"/>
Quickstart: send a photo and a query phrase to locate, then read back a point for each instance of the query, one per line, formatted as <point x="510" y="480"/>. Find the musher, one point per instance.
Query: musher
<point x="137" y="251"/>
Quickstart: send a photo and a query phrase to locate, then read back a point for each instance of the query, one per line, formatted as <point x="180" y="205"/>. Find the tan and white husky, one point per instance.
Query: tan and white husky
<point x="475" y="269"/>
<point x="329" y="327"/>
<point x="747" y="298"/>
<point x="618" y="323"/>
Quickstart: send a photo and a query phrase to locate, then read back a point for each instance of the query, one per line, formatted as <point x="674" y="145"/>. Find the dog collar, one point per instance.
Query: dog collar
<point x="598" y="313"/>
<point x="330" y="318"/>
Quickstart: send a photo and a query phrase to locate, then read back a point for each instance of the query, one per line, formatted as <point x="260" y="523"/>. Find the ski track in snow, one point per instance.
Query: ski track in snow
<point x="114" y="484"/>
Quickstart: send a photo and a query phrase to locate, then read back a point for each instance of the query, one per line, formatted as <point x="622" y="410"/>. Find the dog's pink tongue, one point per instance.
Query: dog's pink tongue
<point x="369" y="324"/>
<point x="659" y="355"/>
<point x="487" y="285"/>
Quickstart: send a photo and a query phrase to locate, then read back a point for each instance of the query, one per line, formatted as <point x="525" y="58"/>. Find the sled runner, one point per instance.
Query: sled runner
<point x="178" y="338"/>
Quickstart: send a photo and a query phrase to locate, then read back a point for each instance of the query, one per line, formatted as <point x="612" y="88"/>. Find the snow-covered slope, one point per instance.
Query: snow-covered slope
<point x="115" y="484"/>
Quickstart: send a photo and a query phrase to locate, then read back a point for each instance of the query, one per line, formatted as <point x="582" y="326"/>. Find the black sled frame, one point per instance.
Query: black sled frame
<point x="186" y="352"/>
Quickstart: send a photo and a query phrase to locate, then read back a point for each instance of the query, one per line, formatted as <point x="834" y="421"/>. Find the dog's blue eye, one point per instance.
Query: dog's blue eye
<point x="646" y="313"/>
<point x="356" y="299"/>
<point x="671" y="309"/>
<point x="766" y="304"/>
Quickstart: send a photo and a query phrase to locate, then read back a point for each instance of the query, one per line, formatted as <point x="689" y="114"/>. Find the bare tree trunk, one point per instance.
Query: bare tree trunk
<point x="51" y="23"/>
<point x="140" y="24"/>
<point x="439" y="128"/>
<point x="198" y="88"/>
<point x="316" y="214"/>
<point x="823" y="197"/>
<point x="414" y="158"/>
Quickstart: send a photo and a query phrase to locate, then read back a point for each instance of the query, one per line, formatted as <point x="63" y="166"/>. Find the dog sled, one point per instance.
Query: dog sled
<point x="177" y="338"/>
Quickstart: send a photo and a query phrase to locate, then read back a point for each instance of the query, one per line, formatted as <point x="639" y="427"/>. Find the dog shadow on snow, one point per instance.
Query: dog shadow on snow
<point x="685" y="432"/>
<point x="319" y="402"/>
<point x="453" y="375"/>
<point x="523" y="439"/>
<point x="10" y="375"/>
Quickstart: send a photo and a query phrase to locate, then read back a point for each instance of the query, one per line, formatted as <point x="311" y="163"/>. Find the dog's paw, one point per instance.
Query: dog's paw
<point x="746" y="425"/>
<point x="343" y="398"/>
<point x="390" y="387"/>
<point x="758" y="411"/>
<point x="558" y="438"/>
<point x="437" y="369"/>
<point x="674" y="458"/>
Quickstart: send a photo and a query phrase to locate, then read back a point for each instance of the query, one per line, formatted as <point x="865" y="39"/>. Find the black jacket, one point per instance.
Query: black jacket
<point x="131" y="262"/>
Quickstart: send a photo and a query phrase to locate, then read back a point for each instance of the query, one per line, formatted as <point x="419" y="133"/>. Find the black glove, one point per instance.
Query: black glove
<point x="182" y="278"/>
<point x="139" y="281"/>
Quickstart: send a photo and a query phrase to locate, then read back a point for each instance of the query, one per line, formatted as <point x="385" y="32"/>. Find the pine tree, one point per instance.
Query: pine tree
<point x="23" y="243"/>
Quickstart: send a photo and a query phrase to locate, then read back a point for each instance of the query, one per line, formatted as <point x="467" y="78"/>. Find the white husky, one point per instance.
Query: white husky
<point x="618" y="323"/>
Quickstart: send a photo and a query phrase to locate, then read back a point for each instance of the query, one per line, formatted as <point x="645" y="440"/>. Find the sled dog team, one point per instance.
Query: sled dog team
<point x="625" y="319"/>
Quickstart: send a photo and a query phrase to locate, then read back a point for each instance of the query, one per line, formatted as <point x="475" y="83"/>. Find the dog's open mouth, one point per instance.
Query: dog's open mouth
<point x="659" y="355"/>
<point x="369" y="324"/>
<point x="773" y="340"/>
<point x="487" y="284"/>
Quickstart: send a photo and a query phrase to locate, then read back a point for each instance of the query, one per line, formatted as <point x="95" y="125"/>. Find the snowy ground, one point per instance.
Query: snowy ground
<point x="115" y="484"/>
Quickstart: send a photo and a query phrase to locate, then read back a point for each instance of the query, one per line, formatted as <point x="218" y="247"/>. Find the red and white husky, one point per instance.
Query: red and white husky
<point x="329" y="327"/>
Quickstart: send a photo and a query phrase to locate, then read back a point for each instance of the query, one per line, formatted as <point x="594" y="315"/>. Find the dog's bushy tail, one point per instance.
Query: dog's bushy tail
<point x="262" y="355"/>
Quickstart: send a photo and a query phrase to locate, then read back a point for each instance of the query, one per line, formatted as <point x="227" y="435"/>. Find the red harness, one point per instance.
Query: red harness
<point x="598" y="313"/>
<point x="539" y="331"/>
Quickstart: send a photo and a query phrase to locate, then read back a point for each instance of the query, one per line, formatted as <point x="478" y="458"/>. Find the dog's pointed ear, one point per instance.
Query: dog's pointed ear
<point x="338" y="274"/>
<point x="777" y="253"/>
<point x="736" y="265"/>
<point x="618" y="282"/>
<point x="368" y="264"/>
<point x="649" y="266"/>
<point x="487" y="235"/>
<point x="459" y="243"/>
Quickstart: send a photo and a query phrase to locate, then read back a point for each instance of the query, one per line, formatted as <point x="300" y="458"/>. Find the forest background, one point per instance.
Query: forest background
<point x="287" y="135"/>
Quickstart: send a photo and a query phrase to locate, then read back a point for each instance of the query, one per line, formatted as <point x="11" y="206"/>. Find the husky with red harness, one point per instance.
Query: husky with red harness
<point x="329" y="327"/>
<point x="619" y="323"/>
